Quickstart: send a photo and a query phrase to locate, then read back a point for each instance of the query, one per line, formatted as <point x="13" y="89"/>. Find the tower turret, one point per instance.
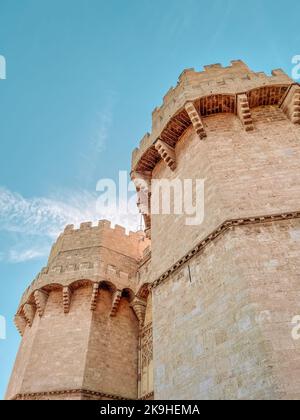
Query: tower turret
<point x="78" y="321"/>
<point x="224" y="289"/>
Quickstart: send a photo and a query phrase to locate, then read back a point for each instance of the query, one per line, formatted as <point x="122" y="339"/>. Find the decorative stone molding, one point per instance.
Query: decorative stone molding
<point x="116" y="302"/>
<point x="147" y="397"/>
<point x="147" y="345"/>
<point x="167" y="153"/>
<point x="229" y="224"/>
<point x="20" y="323"/>
<point x="143" y="291"/>
<point x="244" y="113"/>
<point x="291" y="104"/>
<point x="95" y="294"/>
<point x="148" y="233"/>
<point x="40" y="298"/>
<point x="139" y="308"/>
<point x="29" y="313"/>
<point x="67" y="294"/>
<point x="82" y="392"/>
<point x="196" y="120"/>
<point x="71" y="274"/>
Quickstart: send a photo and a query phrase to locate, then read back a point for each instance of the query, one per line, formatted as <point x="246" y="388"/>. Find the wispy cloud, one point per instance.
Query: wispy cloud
<point x="105" y="119"/>
<point x="36" y="222"/>
<point x="15" y="256"/>
<point x="96" y="142"/>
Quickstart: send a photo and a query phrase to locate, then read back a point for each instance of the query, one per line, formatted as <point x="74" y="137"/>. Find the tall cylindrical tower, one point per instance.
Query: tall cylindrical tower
<point x="225" y="285"/>
<point x="78" y="321"/>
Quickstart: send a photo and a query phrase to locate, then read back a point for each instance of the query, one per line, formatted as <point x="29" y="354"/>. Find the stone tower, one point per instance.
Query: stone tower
<point x="80" y="320"/>
<point x="225" y="292"/>
<point x="206" y="312"/>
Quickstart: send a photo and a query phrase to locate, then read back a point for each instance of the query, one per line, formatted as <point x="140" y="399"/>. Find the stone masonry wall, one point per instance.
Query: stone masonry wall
<point x="226" y="334"/>
<point x="112" y="351"/>
<point x="56" y="360"/>
<point x="80" y="332"/>
<point x="247" y="174"/>
<point x="83" y="349"/>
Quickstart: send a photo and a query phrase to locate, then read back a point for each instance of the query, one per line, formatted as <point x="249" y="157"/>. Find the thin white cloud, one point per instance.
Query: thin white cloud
<point x="36" y="222"/>
<point x="96" y="142"/>
<point x="105" y="122"/>
<point x="15" y="256"/>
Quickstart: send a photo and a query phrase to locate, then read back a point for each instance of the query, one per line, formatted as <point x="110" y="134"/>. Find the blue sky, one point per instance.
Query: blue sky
<point x="83" y="77"/>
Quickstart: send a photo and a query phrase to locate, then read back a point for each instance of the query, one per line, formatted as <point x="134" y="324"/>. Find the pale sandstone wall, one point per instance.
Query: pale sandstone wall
<point x="80" y="333"/>
<point x="247" y="174"/>
<point x="57" y="354"/>
<point x="22" y="359"/>
<point x="112" y="350"/>
<point x="80" y="350"/>
<point x="227" y="333"/>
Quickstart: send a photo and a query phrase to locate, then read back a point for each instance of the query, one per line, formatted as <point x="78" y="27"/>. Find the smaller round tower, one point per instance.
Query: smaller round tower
<point x="80" y="319"/>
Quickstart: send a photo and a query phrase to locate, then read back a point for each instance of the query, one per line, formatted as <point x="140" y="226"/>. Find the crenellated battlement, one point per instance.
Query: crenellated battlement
<point x="91" y="254"/>
<point x="34" y="302"/>
<point x="101" y="235"/>
<point x="102" y="225"/>
<point x="215" y="79"/>
<point x="214" y="90"/>
<point x="69" y="274"/>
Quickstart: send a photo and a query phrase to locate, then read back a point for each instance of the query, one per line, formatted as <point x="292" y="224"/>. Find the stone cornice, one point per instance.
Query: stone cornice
<point x="146" y="397"/>
<point x="100" y="395"/>
<point x="226" y="226"/>
<point x="94" y="271"/>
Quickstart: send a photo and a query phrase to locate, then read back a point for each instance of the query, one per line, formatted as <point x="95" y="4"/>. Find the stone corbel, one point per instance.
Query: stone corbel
<point x="139" y="308"/>
<point x="67" y="294"/>
<point x="29" y="313"/>
<point x="115" y="303"/>
<point x="291" y="104"/>
<point x="244" y="113"/>
<point x="95" y="294"/>
<point x="148" y="232"/>
<point x="40" y="298"/>
<point x="167" y="153"/>
<point x="20" y="323"/>
<point x="196" y="120"/>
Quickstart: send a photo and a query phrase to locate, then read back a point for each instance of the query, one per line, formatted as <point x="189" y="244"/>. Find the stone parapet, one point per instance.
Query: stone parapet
<point x="211" y="91"/>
